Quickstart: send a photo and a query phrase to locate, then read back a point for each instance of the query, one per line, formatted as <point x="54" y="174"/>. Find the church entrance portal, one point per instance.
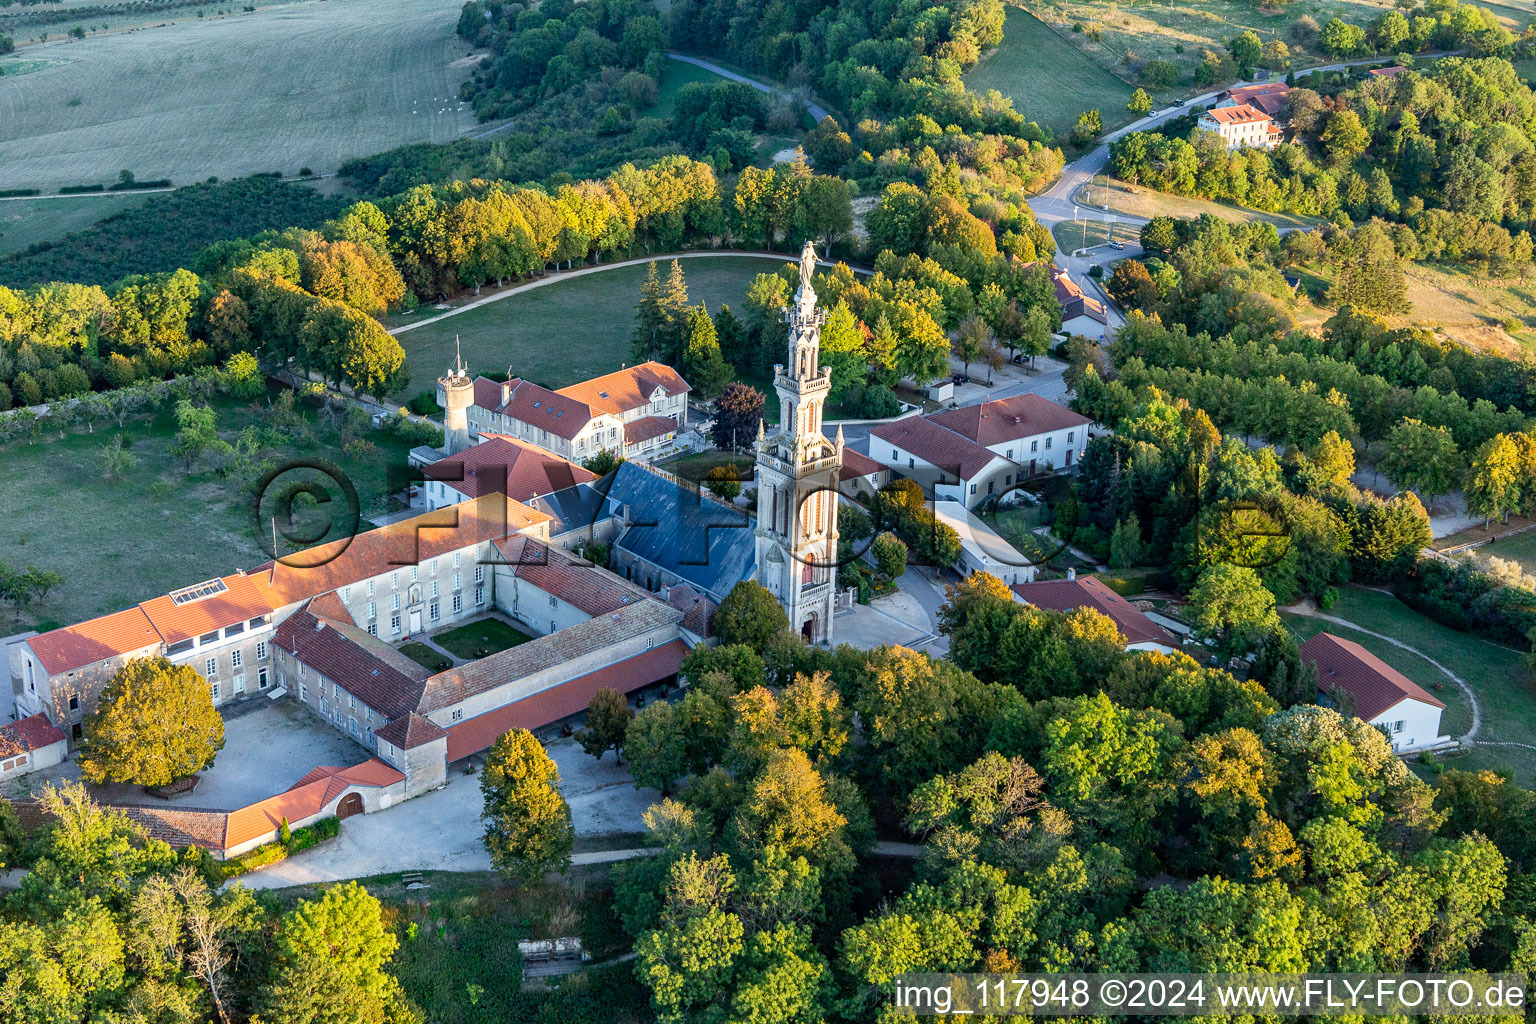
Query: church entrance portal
<point x="809" y="630"/>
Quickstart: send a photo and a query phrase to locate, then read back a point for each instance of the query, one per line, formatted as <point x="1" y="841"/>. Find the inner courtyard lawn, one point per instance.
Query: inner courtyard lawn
<point x="157" y="526"/>
<point x="480" y="638"/>
<point x="1497" y="675"/>
<point x="567" y="331"/>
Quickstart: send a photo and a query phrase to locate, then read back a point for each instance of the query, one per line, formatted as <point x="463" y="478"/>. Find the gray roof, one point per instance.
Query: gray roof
<point x="681" y="531"/>
<point x="575" y="508"/>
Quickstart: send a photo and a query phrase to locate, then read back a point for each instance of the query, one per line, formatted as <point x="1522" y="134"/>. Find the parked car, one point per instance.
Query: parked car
<point x="960" y="378"/>
<point x="1178" y="103"/>
<point x="1117" y="245"/>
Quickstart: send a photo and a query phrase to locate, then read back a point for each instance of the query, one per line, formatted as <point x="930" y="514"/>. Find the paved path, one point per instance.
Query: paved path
<point x="1477" y="711"/>
<point x="816" y="110"/>
<point x="566" y="275"/>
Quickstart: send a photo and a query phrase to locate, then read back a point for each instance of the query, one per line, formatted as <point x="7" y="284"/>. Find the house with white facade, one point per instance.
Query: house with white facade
<point x="1241" y="127"/>
<point x="945" y="464"/>
<point x="1036" y="433"/>
<point x="982" y="549"/>
<point x="1081" y="313"/>
<point x="499" y="464"/>
<point x="1379" y="693"/>
<point x="634" y="412"/>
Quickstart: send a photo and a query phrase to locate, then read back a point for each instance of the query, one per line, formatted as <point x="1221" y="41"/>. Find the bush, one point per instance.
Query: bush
<point x="1328" y="598"/>
<point x="1512" y="324"/>
<point x="425" y="404"/>
<point x="880" y="403"/>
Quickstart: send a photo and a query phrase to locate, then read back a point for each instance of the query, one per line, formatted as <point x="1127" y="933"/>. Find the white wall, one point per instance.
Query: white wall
<point x="1049" y="448"/>
<point x="1410" y="724"/>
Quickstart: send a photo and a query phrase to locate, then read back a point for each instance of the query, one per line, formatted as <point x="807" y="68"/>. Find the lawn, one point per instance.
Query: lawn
<point x="1501" y="682"/>
<point x="1519" y="548"/>
<point x="1134" y="201"/>
<point x="1072" y="235"/>
<point x="458" y="959"/>
<point x="25" y="222"/>
<point x="480" y="638"/>
<point x="674" y="76"/>
<point x="158" y="527"/>
<point x="426" y="657"/>
<point x="310" y="84"/>
<point x="1049" y="80"/>
<point x="592" y="316"/>
<point x="696" y="467"/>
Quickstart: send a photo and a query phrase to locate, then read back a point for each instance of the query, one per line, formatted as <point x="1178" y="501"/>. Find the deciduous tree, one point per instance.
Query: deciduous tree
<point x="153" y="724"/>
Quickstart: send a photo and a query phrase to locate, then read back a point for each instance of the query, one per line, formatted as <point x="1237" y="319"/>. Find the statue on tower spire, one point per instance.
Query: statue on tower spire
<point x="805" y="296"/>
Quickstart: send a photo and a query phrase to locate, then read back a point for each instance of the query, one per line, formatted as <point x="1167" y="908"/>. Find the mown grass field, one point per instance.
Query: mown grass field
<point x="1503" y="686"/>
<point x="566" y="331"/>
<point x="1135" y="201"/>
<point x="309" y="84"/>
<point x="676" y="74"/>
<point x="158" y="527"/>
<point x="26" y="222"/>
<point x="1049" y="81"/>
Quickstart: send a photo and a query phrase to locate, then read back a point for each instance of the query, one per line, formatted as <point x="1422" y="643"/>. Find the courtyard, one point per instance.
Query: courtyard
<point x="268" y="746"/>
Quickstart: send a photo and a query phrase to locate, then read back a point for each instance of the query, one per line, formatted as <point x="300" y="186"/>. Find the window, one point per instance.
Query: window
<point x="261" y="651"/>
<point x="458" y="602"/>
<point x="394" y="602"/>
<point x="973" y="488"/>
<point x="351" y="703"/>
<point x="239" y="684"/>
<point x="74" y="702"/>
<point x="1397" y="726"/>
<point x="1048" y="444"/>
<point x="394" y="623"/>
<point x="435" y="611"/>
<point x="373" y="610"/>
<point x="303" y="670"/>
<point x="1034" y="446"/>
<point x="479" y="574"/>
<point x="212" y="665"/>
<point x="894" y="456"/>
<point x="181" y="648"/>
<point x="394" y="580"/>
<point x="31" y="683"/>
<point x="910" y="463"/>
<point x="213" y="688"/>
<point x="1070" y="435"/>
<point x="262" y="680"/>
<point x="324" y="707"/>
<point x="237" y="628"/>
<point x="456" y="559"/>
<point x="434" y="588"/>
<point x="369" y="588"/>
<point x="413" y="574"/>
<point x="458" y="581"/>
<point x="209" y="638"/>
<point x="479" y="595"/>
<point x="554" y="602"/>
<point x="346" y="593"/>
<point x="303" y="692"/>
<point x="373" y="629"/>
<point x="235" y="658"/>
<point x="432" y="568"/>
<point x="457" y="716"/>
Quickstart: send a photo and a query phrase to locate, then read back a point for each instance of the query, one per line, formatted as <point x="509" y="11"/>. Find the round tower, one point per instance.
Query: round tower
<point x="455" y="393"/>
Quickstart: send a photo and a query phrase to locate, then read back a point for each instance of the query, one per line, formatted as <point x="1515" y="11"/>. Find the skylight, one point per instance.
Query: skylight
<point x="198" y="591"/>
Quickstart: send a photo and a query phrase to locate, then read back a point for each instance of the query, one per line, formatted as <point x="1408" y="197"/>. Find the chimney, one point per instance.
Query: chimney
<point x="1071" y="574"/>
<point x="506" y="392"/>
<point x="319" y="625"/>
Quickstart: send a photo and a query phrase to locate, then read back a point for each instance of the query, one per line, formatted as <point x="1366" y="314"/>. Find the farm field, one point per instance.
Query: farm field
<point x="1129" y="36"/>
<point x="567" y="331"/>
<point x="39" y="23"/>
<point x="1049" y="81"/>
<point x="233" y="96"/>
<point x="1496" y="675"/>
<point x="157" y="527"/>
<point x="26" y="222"/>
<point x="1125" y="199"/>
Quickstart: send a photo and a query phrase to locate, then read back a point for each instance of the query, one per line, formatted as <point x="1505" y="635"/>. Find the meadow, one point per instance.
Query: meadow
<point x="1049" y="81"/>
<point x="27" y="222"/>
<point x="157" y="527"/>
<point x="566" y="331"/>
<point x="1123" y="198"/>
<point x="230" y="96"/>
<point x="1496" y="675"/>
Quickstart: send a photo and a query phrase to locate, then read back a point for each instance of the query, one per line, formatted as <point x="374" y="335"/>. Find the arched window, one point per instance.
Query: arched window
<point x="808" y="571"/>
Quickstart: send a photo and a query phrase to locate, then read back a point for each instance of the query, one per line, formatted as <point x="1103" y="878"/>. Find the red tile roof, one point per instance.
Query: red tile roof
<point x="28" y="734"/>
<point x="1270" y="103"/>
<point x="1375" y="686"/>
<point x="647" y="427"/>
<point x="623" y="390"/>
<point x="594" y="590"/>
<point x="305" y="798"/>
<point x="410" y="732"/>
<point x="504" y="465"/>
<point x="240" y="600"/>
<point x="857" y="464"/>
<point x="1247" y="93"/>
<point x="1391" y="72"/>
<point x="1243" y="113"/>
<point x="698" y="610"/>
<point x="548" y="410"/>
<point x="945" y="449"/>
<point x="126" y="632"/>
<point x="327" y="567"/>
<point x="567" y="699"/>
<point x="1074" y="302"/>
<point x="1088" y="592"/>
<point x="364" y="666"/>
<point x="1008" y="419"/>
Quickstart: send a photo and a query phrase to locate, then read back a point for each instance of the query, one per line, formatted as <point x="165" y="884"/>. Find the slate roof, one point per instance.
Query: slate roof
<point x="594" y="590"/>
<point x="85" y="643"/>
<point x="1088" y="592"/>
<point x="1375" y="686"/>
<point x="1008" y="419"/>
<point x="952" y="453"/>
<point x="448" y="688"/>
<point x="683" y="531"/>
<point x="618" y="392"/>
<point x="501" y="464"/>
<point x="360" y="663"/>
<point x="576" y="507"/>
<point x="548" y="410"/>
<point x="28" y="734"/>
<point x="551" y="705"/>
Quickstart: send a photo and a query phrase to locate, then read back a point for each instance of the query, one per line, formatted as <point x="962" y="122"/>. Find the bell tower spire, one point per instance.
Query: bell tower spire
<point x="797" y="471"/>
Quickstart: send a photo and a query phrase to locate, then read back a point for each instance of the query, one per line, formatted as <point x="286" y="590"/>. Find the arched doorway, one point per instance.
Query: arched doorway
<point x="809" y="630"/>
<point x="350" y="804"/>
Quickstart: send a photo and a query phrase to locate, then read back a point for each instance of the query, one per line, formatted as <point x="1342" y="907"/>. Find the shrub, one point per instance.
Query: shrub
<point x="1328" y="598"/>
<point x="1512" y="324"/>
<point x="425" y="404"/>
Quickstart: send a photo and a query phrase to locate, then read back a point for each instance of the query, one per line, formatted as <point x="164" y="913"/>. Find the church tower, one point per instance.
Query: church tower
<point x="797" y="476"/>
<point x="455" y="393"/>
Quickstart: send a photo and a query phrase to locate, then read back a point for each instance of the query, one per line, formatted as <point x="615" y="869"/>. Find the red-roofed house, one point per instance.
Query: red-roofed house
<point x="1381" y="695"/>
<point x="499" y="464"/>
<point x="860" y="473"/>
<point x="1140" y="632"/>
<point x="1241" y="94"/>
<point x="1391" y="72"/>
<point x="1241" y="126"/>
<point x="30" y="744"/>
<point x="1032" y="431"/>
<point x="621" y="411"/>
<point x="946" y="464"/>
